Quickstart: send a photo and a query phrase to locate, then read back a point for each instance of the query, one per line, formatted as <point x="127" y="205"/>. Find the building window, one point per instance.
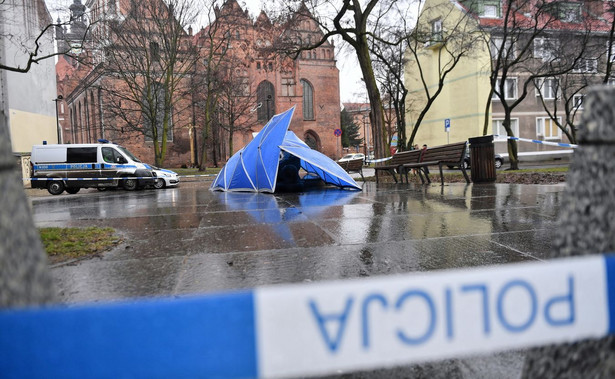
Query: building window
<point x="258" y="65"/>
<point x="154" y="51"/>
<point x="577" y="101"/>
<point x="569" y="11"/>
<point x="547" y="88"/>
<point x="308" y="100"/>
<point x="496" y="44"/>
<point x="311" y="139"/>
<point x="154" y="113"/>
<point x="265" y="97"/>
<point x="547" y="128"/>
<point x="498" y="128"/>
<point x="288" y="87"/>
<point x="610" y="51"/>
<point x="586" y="65"/>
<point x="436" y="31"/>
<point x="270" y="66"/>
<point x="546" y="49"/>
<point x="490" y="9"/>
<point x="510" y="89"/>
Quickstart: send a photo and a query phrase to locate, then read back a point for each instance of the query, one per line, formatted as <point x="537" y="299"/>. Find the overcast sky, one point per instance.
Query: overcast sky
<point x="352" y="88"/>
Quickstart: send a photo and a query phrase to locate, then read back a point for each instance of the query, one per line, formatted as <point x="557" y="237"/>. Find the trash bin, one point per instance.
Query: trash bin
<point x="482" y="159"/>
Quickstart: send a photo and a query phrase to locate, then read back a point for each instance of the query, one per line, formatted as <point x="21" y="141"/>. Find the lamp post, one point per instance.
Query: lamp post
<point x="59" y="98"/>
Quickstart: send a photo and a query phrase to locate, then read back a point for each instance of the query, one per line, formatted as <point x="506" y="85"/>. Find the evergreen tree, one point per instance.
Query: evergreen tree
<point x="350" y="130"/>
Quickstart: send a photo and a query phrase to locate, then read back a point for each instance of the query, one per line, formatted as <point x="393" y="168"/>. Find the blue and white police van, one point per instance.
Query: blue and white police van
<point x="70" y="167"/>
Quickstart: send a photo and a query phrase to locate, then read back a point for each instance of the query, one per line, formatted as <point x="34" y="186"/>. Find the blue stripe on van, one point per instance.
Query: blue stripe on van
<point x="80" y="166"/>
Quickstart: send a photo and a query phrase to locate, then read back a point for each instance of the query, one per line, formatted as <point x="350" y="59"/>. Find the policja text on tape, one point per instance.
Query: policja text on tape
<point x="319" y="328"/>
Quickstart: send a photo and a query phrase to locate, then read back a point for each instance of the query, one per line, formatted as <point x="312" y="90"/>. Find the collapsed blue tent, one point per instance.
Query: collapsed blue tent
<point x="255" y="167"/>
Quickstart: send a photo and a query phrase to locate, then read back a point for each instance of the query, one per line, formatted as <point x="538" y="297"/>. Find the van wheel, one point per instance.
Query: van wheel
<point x="56" y="187"/>
<point x="129" y="184"/>
<point x="72" y="190"/>
<point x="498" y="163"/>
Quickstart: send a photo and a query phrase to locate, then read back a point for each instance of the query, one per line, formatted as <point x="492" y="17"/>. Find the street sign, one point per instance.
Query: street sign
<point x="447" y="125"/>
<point x="337" y="132"/>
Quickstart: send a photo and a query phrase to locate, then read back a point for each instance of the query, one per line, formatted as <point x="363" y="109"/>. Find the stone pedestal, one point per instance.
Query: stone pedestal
<point x="24" y="275"/>
<point x="586" y="226"/>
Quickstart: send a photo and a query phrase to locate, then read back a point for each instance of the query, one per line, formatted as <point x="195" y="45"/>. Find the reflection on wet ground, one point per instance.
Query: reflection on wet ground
<point x="189" y="240"/>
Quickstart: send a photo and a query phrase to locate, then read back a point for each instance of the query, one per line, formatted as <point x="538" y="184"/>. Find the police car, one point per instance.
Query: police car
<point x="164" y="178"/>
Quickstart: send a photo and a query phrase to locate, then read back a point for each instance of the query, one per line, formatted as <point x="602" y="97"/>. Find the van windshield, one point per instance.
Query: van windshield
<point x="128" y="153"/>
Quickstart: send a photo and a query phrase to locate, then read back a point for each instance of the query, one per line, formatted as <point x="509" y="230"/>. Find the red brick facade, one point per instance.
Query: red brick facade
<point x="313" y="72"/>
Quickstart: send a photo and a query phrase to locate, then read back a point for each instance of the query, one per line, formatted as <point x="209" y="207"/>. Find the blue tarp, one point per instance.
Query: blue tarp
<point x="255" y="167"/>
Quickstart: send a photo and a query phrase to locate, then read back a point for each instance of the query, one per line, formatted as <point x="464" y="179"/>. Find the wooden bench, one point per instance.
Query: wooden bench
<point x="449" y="155"/>
<point x="353" y="165"/>
<point x="397" y="163"/>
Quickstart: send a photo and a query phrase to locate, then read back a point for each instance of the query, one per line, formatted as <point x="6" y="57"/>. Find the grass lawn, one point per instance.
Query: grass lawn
<point x="62" y="244"/>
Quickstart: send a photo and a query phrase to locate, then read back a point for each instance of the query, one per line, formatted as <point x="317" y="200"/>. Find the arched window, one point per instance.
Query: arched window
<point x="80" y="124"/>
<point x="154" y="111"/>
<point x="86" y="119"/>
<point x="265" y="97"/>
<point x="308" y="100"/>
<point x="72" y="123"/>
<point x="312" y="140"/>
<point x="100" y="114"/>
<point x="95" y="132"/>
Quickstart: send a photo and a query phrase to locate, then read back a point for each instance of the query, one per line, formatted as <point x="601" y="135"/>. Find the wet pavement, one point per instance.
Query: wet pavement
<point x="189" y="240"/>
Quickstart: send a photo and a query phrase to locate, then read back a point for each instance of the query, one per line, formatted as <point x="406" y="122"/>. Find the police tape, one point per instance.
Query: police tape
<point x="116" y="178"/>
<point x="377" y="160"/>
<point x="198" y="176"/>
<point x="319" y="328"/>
<point x="560" y="144"/>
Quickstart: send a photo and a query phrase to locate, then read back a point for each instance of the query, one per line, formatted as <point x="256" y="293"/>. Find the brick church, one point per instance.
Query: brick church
<point x="272" y="83"/>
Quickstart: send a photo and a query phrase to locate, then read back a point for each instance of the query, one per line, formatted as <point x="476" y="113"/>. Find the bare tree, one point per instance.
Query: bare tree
<point x="31" y="42"/>
<point x="146" y="63"/>
<point x="389" y="67"/>
<point x="236" y="102"/>
<point x="531" y="44"/>
<point x="356" y="23"/>
<point x="443" y="38"/>
<point x="223" y="40"/>
<point x="567" y="97"/>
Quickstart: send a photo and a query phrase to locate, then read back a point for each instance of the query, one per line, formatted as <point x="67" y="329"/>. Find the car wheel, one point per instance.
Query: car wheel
<point x="56" y="187"/>
<point x="159" y="183"/>
<point x="72" y="190"/>
<point x="101" y="189"/>
<point x="129" y="184"/>
<point x="498" y="163"/>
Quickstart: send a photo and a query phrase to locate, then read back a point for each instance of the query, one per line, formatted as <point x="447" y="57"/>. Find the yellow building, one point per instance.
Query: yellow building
<point x="434" y="63"/>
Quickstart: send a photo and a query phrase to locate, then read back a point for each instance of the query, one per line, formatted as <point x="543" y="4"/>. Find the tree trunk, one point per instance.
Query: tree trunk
<point x="512" y="144"/>
<point x="487" y="113"/>
<point x="377" y="118"/>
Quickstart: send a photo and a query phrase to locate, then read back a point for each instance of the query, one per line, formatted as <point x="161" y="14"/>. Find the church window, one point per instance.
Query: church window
<point x="308" y="100"/>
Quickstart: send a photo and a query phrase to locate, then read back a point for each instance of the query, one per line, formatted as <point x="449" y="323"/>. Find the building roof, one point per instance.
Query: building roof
<point x="356" y="107"/>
